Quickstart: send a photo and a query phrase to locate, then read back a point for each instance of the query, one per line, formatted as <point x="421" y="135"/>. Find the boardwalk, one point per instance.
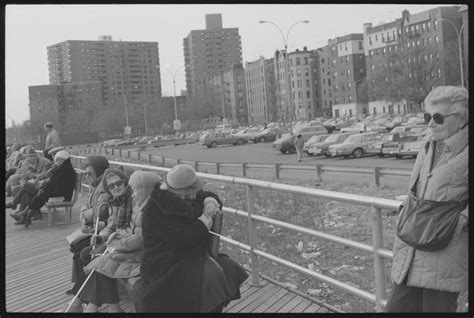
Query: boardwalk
<point x="38" y="272"/>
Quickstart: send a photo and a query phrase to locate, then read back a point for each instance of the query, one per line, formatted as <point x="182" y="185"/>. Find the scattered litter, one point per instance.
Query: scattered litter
<point x="312" y="255"/>
<point x="299" y="247"/>
<point x="289" y="285"/>
<point x="314" y="292"/>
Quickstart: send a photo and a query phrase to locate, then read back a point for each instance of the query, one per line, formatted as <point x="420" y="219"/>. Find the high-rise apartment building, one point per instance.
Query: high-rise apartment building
<point x="342" y="75"/>
<point x="282" y="91"/>
<point x="127" y="70"/>
<point x="53" y="102"/>
<point x="260" y="85"/>
<point x="304" y="75"/>
<point x="208" y="52"/>
<point x="419" y="50"/>
<point x="235" y="93"/>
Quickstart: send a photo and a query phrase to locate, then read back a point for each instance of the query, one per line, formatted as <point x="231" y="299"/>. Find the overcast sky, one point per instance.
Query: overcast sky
<point x="31" y="28"/>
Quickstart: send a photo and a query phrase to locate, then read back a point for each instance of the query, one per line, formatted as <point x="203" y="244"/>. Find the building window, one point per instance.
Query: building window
<point x="436" y="39"/>
<point x="350" y="99"/>
<point x="439" y="73"/>
<point x="298" y="61"/>
<point x="435" y="24"/>
<point x="370" y="40"/>
<point x="307" y="83"/>
<point x="305" y="61"/>
<point x="376" y="38"/>
<point x="298" y="72"/>
<point x="306" y="71"/>
<point x="423" y="27"/>
<point x="360" y="45"/>
<point x="383" y="109"/>
<point x="361" y="71"/>
<point x="308" y="94"/>
<point x="429" y="40"/>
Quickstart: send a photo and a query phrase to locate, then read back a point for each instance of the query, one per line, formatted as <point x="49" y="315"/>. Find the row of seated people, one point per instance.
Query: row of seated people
<point x="153" y="235"/>
<point x="32" y="179"/>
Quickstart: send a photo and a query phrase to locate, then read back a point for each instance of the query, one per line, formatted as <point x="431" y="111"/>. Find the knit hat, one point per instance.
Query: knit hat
<point x="61" y="155"/>
<point x="53" y="151"/>
<point x="182" y="179"/>
<point x="98" y="163"/>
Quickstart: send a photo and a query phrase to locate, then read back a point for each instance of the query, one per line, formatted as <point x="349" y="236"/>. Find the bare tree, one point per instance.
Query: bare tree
<point x="410" y="74"/>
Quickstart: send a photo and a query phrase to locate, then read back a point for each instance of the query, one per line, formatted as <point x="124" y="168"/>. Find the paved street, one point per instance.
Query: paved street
<point x="263" y="153"/>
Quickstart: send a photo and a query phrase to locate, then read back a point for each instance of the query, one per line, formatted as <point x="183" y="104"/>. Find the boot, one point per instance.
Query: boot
<point x="18" y="216"/>
<point x="28" y="216"/>
<point x="10" y="205"/>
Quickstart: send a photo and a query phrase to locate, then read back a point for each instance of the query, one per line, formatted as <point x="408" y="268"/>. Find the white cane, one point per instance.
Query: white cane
<point x="95" y="232"/>
<point x="84" y="284"/>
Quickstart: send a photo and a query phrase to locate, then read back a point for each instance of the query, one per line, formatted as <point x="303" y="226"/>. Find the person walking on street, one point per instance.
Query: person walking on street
<point x="52" y="138"/>
<point x="299" y="144"/>
<point x="430" y="251"/>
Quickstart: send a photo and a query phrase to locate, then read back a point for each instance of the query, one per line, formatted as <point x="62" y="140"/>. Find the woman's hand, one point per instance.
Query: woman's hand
<point x="211" y="207"/>
<point x="96" y="239"/>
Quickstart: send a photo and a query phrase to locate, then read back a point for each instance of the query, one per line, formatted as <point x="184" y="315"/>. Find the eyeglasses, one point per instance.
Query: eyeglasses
<point x="117" y="184"/>
<point x="437" y="117"/>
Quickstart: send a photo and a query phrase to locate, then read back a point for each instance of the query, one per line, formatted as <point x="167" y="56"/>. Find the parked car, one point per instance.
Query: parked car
<point x="355" y="145"/>
<point x="223" y="128"/>
<point x="124" y="143"/>
<point x="355" y="128"/>
<point x="249" y="134"/>
<point x="413" y="129"/>
<point x="285" y="144"/>
<point x="322" y="147"/>
<point x="313" y="140"/>
<point x="395" y="122"/>
<point x="414" y="121"/>
<point x="386" y="142"/>
<point x="268" y="134"/>
<point x="394" y="148"/>
<point x="212" y="140"/>
<point x="411" y="148"/>
<point x="310" y="131"/>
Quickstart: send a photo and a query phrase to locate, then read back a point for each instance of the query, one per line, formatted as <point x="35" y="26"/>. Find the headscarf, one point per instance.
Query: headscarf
<point x="147" y="180"/>
<point x="123" y="203"/>
<point x="99" y="164"/>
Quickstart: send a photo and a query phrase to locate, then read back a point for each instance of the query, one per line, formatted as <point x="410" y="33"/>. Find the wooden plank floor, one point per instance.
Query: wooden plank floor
<point x="38" y="272"/>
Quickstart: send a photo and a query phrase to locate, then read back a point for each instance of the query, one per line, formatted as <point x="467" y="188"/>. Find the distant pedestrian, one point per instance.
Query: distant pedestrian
<point x="52" y="138"/>
<point x="299" y="144"/>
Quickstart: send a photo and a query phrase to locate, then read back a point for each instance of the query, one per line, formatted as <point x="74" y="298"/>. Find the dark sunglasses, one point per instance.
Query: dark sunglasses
<point x="117" y="184"/>
<point x="437" y="117"/>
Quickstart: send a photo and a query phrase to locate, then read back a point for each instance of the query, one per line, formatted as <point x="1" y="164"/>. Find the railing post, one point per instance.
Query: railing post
<point x="113" y="151"/>
<point x="163" y="161"/>
<point x="244" y="169"/>
<point x="89" y="150"/>
<point x="138" y="156"/>
<point x="252" y="235"/>
<point x="178" y="161"/>
<point x="377" y="236"/>
<point x="277" y="170"/>
<point x="377" y="176"/>
<point x="196" y="166"/>
<point x="128" y="154"/>
<point x="318" y="173"/>
<point x="149" y="157"/>
<point x="218" y="168"/>
<point x="120" y="153"/>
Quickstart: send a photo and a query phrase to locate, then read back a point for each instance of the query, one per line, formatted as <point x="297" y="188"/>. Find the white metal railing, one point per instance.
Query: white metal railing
<point x="376" y="205"/>
<point x="377" y="172"/>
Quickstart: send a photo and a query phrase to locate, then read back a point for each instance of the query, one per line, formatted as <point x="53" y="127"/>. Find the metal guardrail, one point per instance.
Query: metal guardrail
<point x="318" y="169"/>
<point x="376" y="204"/>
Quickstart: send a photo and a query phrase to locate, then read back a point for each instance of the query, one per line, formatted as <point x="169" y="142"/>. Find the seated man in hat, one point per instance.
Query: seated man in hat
<point x="30" y="167"/>
<point x="58" y="182"/>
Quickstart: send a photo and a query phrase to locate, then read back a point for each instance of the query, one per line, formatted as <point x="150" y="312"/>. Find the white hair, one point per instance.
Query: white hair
<point x="457" y="97"/>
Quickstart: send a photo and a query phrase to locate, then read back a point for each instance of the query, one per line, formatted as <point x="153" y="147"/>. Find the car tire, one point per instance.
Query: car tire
<point x="292" y="150"/>
<point x="262" y="139"/>
<point x="381" y="155"/>
<point x="357" y="153"/>
<point x="283" y="151"/>
<point x="214" y="144"/>
<point x="327" y="155"/>
<point x="208" y="146"/>
<point x="398" y="156"/>
<point x="240" y="142"/>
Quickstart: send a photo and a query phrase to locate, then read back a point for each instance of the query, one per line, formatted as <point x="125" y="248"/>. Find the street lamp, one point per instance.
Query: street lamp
<point x="125" y="99"/>
<point x="144" y="115"/>
<point x="285" y="43"/>
<point x="173" y="75"/>
<point x="458" y="34"/>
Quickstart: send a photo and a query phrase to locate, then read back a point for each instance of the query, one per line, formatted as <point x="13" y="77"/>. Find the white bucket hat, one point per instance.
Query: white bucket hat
<point x="61" y="155"/>
<point x="182" y="180"/>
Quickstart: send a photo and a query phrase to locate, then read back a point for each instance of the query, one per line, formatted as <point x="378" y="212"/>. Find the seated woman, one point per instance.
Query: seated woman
<point x="59" y="182"/>
<point x="99" y="288"/>
<point x="177" y="274"/>
<point x="97" y="206"/>
<point x="31" y="166"/>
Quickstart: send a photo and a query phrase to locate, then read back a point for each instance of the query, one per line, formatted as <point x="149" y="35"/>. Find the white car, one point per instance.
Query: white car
<point x="355" y="128"/>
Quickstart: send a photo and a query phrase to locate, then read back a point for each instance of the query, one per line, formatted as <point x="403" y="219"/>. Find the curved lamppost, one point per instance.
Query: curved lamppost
<point x="285" y="43"/>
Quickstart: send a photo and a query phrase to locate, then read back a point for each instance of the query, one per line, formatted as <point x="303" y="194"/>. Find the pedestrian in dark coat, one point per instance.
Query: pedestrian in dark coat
<point x="176" y="267"/>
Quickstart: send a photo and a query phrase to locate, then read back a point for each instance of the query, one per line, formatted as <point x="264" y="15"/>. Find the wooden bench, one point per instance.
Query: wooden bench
<point x="58" y="202"/>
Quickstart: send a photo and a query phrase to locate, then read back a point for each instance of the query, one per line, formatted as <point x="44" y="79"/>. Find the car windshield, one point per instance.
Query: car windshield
<point x="314" y="139"/>
<point x="352" y="139"/>
<point x="332" y="138"/>
<point x="387" y="137"/>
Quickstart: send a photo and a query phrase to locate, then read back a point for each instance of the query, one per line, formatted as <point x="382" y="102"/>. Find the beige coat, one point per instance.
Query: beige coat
<point x="447" y="269"/>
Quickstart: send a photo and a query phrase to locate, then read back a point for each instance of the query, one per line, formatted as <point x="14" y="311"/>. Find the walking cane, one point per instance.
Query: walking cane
<point x="95" y="233"/>
<point x="84" y="284"/>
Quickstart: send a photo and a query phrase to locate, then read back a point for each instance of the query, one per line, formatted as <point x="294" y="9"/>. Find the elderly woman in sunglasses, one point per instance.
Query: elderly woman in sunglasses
<point x="101" y="289"/>
<point x="430" y="264"/>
